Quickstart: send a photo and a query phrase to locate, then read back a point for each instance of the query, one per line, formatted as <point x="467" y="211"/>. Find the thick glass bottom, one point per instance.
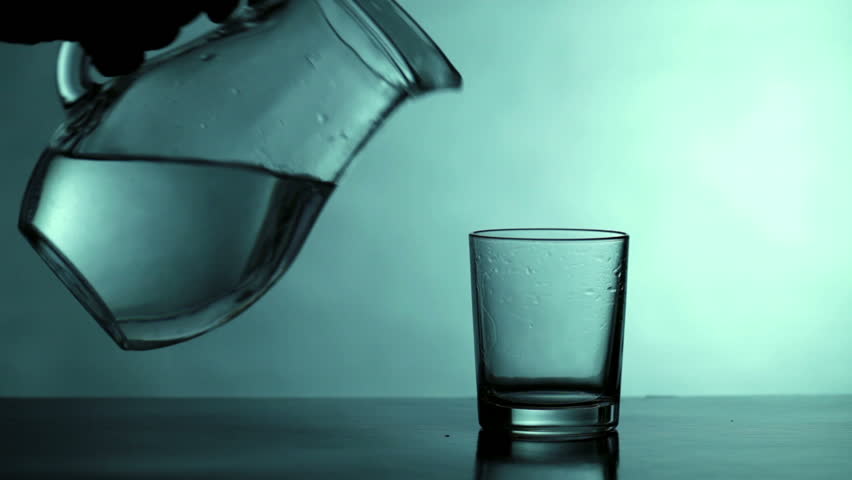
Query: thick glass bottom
<point x="566" y="422"/>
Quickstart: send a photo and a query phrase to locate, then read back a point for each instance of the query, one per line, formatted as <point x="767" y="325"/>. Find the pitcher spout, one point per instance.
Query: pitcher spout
<point x="396" y="48"/>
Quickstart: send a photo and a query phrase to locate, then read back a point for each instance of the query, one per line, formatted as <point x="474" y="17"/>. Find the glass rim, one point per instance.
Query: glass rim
<point x="494" y="234"/>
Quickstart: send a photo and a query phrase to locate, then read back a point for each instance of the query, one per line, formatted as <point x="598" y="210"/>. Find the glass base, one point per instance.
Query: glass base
<point x="570" y="422"/>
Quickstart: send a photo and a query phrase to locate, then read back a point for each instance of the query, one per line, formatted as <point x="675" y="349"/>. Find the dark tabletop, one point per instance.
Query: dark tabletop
<point x="659" y="438"/>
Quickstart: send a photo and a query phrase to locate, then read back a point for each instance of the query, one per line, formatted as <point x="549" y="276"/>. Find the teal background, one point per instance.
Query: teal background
<point x="715" y="132"/>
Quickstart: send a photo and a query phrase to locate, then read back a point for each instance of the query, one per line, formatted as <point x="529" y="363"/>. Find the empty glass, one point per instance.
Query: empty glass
<point x="548" y="329"/>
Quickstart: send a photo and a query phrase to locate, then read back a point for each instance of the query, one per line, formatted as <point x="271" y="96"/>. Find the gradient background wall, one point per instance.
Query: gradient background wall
<point x="717" y="133"/>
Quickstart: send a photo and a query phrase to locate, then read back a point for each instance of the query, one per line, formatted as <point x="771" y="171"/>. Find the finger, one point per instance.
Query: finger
<point x="118" y="60"/>
<point x="155" y="39"/>
<point x="178" y="13"/>
<point x="115" y="65"/>
<point x="219" y="10"/>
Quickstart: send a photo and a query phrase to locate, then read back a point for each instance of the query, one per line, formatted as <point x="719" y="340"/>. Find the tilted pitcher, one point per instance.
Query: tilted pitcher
<point x="171" y="199"/>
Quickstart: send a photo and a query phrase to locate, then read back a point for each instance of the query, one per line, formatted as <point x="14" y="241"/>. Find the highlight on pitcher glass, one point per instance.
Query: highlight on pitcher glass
<point x="548" y="311"/>
<point x="171" y="199"/>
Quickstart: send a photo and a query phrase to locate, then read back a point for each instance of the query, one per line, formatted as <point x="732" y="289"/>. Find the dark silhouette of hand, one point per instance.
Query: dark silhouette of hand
<point x="115" y="34"/>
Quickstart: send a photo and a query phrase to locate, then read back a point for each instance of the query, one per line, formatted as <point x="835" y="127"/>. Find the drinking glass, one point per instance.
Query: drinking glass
<point x="548" y="310"/>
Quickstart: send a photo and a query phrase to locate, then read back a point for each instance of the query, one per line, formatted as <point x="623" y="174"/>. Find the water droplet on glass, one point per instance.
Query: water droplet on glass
<point x="530" y="270"/>
<point x="322" y="118"/>
<point x="343" y="135"/>
<point x="219" y="32"/>
<point x="313" y="59"/>
<point x="531" y="324"/>
<point x="234" y="91"/>
<point x="262" y="152"/>
<point x="207" y="56"/>
<point x="589" y="292"/>
<point x="610" y="289"/>
<point x="282" y="122"/>
<point x="202" y="125"/>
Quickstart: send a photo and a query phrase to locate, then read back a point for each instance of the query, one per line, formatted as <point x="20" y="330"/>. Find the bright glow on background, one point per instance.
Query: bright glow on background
<point x="715" y="132"/>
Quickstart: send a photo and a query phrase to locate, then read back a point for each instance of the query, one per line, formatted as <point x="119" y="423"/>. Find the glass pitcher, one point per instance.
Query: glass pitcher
<point x="171" y="199"/>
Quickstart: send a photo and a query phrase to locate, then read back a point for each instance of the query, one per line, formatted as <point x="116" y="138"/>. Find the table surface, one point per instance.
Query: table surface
<point x="660" y="438"/>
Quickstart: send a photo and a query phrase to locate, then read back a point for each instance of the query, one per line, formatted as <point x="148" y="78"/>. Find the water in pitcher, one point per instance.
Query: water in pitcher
<point x="161" y="250"/>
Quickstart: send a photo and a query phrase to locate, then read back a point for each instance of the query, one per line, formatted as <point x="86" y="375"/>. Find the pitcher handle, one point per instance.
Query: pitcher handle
<point x="73" y="78"/>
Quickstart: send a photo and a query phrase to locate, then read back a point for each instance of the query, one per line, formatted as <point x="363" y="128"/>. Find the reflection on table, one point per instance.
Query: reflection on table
<point x="500" y="457"/>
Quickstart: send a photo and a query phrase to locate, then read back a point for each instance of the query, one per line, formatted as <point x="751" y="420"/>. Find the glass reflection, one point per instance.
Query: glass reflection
<point x="500" y="457"/>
